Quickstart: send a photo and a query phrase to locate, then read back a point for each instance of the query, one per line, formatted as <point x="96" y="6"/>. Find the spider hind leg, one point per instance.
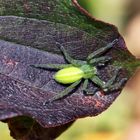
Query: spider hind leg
<point x="64" y="93"/>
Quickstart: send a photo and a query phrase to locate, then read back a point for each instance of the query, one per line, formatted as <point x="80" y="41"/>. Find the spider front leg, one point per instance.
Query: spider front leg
<point x="100" y="61"/>
<point x="64" y="92"/>
<point x="109" y="86"/>
<point x="101" y="50"/>
<point x="69" y="58"/>
<point x="117" y="86"/>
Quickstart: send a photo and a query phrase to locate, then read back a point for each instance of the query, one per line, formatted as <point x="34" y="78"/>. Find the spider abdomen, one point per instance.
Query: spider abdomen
<point x="69" y="75"/>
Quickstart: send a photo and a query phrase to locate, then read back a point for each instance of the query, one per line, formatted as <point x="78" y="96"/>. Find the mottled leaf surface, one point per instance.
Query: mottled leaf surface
<point x="24" y="89"/>
<point x="31" y="39"/>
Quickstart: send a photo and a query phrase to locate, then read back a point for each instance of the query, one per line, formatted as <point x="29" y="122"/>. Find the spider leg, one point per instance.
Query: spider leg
<point x="101" y="50"/>
<point x="100" y="61"/>
<point x="112" y="80"/>
<point x="98" y="81"/>
<point x="87" y="91"/>
<point x="51" y="66"/>
<point x="85" y="85"/>
<point x="64" y="92"/>
<point x="70" y="59"/>
<point x="117" y="86"/>
<point x="102" y="84"/>
<point x="109" y="86"/>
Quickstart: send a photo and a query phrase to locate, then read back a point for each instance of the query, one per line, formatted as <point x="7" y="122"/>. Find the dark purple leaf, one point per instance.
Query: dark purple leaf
<point x="26" y="128"/>
<point x="27" y="41"/>
<point x="24" y="89"/>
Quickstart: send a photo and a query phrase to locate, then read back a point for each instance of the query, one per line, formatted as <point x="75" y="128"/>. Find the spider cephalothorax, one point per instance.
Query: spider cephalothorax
<point x="76" y="70"/>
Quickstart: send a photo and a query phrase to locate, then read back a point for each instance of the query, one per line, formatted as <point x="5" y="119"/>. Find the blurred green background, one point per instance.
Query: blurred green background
<point x="114" y="123"/>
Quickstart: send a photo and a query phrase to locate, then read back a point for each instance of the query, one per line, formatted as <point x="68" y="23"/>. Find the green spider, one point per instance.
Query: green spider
<point x="76" y="70"/>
